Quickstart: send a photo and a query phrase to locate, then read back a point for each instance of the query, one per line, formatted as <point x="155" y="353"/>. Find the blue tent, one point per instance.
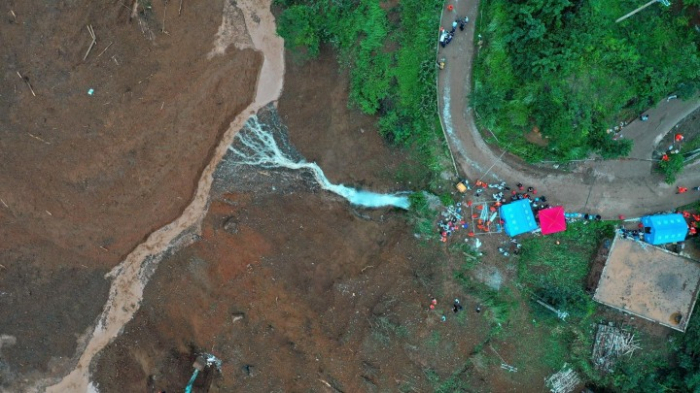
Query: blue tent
<point x="518" y="217"/>
<point x="664" y="228"/>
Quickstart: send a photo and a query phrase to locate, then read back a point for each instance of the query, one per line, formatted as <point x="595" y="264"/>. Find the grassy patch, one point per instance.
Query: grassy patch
<point x="383" y="330"/>
<point x="453" y="384"/>
<point x="553" y="268"/>
<point x="495" y="305"/>
<point x="692" y="144"/>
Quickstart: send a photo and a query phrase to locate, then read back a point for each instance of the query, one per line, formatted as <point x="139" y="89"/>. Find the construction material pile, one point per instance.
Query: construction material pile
<point x="610" y="344"/>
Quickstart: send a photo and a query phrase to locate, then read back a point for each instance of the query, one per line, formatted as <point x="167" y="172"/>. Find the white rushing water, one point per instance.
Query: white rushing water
<point x="260" y="149"/>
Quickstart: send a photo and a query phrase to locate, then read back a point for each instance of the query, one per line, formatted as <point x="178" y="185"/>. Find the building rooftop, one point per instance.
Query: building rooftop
<point x="649" y="282"/>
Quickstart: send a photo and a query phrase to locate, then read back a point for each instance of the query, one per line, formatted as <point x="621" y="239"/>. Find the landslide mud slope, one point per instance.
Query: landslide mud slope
<point x="85" y="178"/>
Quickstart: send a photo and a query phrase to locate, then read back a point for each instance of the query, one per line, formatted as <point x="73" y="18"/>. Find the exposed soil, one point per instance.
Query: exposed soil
<point x="294" y="289"/>
<point x="84" y="178"/>
<point x="101" y="172"/>
<point x="328" y="293"/>
<point x="343" y="142"/>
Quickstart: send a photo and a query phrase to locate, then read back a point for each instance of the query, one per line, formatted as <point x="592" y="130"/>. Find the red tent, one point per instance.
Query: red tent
<point x="552" y="220"/>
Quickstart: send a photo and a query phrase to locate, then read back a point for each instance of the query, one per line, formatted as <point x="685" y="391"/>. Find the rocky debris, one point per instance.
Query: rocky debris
<point x="231" y="225"/>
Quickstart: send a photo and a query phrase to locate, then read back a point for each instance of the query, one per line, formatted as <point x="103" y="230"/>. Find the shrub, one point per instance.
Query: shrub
<point x="671" y="168"/>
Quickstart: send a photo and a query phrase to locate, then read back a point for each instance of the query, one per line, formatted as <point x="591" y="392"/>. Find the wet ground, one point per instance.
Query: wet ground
<point x="293" y="288"/>
<point x="84" y="178"/>
<point x="328" y="292"/>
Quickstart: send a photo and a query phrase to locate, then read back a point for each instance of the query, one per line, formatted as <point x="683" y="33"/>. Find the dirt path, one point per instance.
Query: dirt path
<point x="131" y="276"/>
<point x="608" y="188"/>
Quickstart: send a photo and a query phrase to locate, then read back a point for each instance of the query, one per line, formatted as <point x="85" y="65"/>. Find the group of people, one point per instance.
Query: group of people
<point x="456" y="307"/>
<point x="447" y="36"/>
<point x="635" y="234"/>
<point x="452" y="222"/>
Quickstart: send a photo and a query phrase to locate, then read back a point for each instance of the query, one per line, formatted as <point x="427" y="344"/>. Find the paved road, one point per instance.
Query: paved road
<point x="609" y="188"/>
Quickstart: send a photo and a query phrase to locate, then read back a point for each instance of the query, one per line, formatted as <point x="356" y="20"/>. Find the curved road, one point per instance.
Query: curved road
<point x="609" y="188"/>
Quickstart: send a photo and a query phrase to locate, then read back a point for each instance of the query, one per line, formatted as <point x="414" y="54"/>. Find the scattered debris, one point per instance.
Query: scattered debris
<point x="104" y="50"/>
<point x="134" y="10"/>
<point x="504" y="365"/>
<point x="610" y="344"/>
<point x="509" y="368"/>
<point x="565" y="381"/>
<point x="231" y="225"/>
<point x="560" y="314"/>
<point x="165" y="8"/>
<point x="37" y="138"/>
<point x="248" y="369"/>
<point x="26" y="80"/>
<point x="328" y="385"/>
<point x="237" y="316"/>
<point x="94" y="40"/>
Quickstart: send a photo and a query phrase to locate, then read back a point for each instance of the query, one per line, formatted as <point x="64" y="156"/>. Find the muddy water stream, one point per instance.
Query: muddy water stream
<point x="130" y="277"/>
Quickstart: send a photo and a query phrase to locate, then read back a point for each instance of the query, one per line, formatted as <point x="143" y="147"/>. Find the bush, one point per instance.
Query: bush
<point x="300" y="25"/>
<point x="671" y="168"/>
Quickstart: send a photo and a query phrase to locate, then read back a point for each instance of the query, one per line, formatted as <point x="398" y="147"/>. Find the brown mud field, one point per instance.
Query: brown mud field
<point x="328" y="292"/>
<point x="289" y="285"/>
<point x="332" y="297"/>
<point x="84" y="178"/>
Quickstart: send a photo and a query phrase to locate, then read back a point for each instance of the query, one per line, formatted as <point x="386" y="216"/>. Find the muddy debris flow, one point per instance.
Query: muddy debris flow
<point x="130" y="277"/>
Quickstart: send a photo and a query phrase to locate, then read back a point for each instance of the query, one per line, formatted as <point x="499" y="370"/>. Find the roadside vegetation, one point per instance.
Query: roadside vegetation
<point x="671" y="168"/>
<point x="389" y="52"/>
<point x="688" y="153"/>
<point x="566" y="67"/>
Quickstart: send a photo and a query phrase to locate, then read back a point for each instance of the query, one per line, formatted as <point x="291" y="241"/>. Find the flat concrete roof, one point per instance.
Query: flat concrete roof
<point x="649" y="282"/>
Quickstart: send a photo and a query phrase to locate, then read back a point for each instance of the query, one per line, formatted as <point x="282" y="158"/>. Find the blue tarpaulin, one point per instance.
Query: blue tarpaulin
<point x="518" y="217"/>
<point x="664" y="228"/>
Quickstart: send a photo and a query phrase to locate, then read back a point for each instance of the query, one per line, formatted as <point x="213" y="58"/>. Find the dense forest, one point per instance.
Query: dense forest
<point x="567" y="68"/>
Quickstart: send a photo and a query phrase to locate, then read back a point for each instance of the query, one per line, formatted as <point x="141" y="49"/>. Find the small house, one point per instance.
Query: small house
<point x="649" y="282"/>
